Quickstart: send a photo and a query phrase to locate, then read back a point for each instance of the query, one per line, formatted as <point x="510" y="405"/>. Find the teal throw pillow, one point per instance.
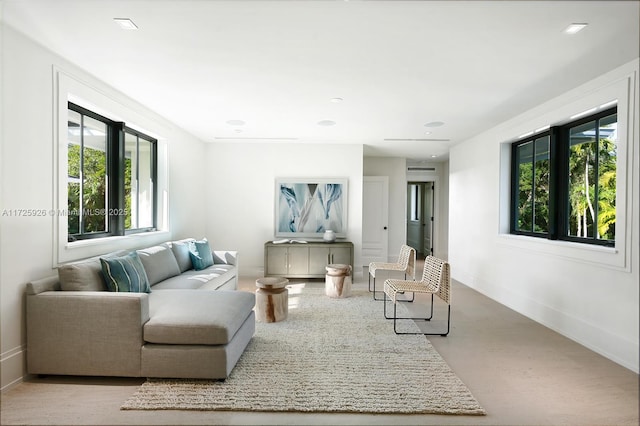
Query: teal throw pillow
<point x="125" y="274"/>
<point x="201" y="255"/>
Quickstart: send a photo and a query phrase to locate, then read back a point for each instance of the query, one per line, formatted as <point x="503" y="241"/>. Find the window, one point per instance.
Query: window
<point x="563" y="181"/>
<point x="591" y="212"/>
<point x="415" y="202"/>
<point x="139" y="172"/>
<point x="111" y="177"/>
<point x="532" y="188"/>
<point x="87" y="165"/>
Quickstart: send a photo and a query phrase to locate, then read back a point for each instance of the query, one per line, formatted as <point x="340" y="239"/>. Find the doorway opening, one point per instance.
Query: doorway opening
<point x="420" y="217"/>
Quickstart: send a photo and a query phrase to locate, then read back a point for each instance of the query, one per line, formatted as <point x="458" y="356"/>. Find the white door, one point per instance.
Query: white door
<point x="375" y="217"/>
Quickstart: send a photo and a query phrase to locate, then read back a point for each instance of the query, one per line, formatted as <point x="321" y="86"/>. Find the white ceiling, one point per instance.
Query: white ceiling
<point x="276" y="65"/>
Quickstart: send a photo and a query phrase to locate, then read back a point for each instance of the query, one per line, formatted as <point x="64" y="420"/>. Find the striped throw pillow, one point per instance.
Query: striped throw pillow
<point x="125" y="274"/>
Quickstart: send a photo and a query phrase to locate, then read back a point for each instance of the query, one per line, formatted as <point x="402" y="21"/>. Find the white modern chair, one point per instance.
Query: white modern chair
<point x="436" y="279"/>
<point x="406" y="263"/>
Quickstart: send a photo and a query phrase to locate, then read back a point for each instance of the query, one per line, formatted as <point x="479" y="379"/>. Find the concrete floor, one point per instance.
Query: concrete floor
<point x="521" y="372"/>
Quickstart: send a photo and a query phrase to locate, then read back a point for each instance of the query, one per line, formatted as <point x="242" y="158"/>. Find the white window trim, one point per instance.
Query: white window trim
<point x="106" y="102"/>
<point x="556" y="112"/>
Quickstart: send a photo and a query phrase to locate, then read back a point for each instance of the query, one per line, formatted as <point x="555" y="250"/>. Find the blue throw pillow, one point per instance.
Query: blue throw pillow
<point x="125" y="274"/>
<point x="201" y="255"/>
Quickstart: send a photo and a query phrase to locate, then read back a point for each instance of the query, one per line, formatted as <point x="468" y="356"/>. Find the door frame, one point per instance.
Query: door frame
<point x="414" y="231"/>
<point x="436" y="203"/>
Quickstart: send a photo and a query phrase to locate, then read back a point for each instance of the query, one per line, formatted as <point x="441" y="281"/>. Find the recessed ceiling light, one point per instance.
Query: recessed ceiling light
<point x="434" y="124"/>
<point x="236" y="123"/>
<point x="427" y="133"/>
<point x="326" y="123"/>
<point x="434" y="156"/>
<point x="336" y="100"/>
<point x="126" y="23"/>
<point x="574" y="28"/>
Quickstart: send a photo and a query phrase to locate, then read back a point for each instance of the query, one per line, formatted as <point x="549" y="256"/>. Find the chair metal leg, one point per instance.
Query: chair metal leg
<point x="374" y="289"/>
<point x="395" y="330"/>
<point x="394" y="317"/>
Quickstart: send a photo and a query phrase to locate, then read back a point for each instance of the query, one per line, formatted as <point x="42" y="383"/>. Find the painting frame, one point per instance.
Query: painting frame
<point x="307" y="207"/>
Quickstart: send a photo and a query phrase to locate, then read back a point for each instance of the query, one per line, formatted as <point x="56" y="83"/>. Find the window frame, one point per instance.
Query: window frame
<point x="154" y="178"/>
<point x="562" y="216"/>
<point x="559" y="151"/>
<point x="115" y="178"/>
<point x="551" y="133"/>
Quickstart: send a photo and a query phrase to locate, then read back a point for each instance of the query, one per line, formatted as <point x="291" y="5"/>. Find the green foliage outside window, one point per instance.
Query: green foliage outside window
<point x="127" y="193"/>
<point x="110" y="185"/>
<point x="587" y="217"/>
<point x="533" y="186"/>
<point x="93" y="197"/>
<point x="583" y="176"/>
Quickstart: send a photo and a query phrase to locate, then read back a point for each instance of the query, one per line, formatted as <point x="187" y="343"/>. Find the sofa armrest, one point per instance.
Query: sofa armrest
<point x="44" y="284"/>
<point x="227" y="257"/>
<point x="92" y="333"/>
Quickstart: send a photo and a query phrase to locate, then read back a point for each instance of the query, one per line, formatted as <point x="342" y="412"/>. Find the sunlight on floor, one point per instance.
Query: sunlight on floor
<point x="294" y="289"/>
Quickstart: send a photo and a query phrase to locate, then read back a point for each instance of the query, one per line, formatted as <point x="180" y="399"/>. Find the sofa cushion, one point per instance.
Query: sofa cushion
<point x="185" y="317"/>
<point x="180" y="250"/>
<point x="201" y="255"/>
<point x="84" y="275"/>
<point x="159" y="263"/>
<point x="211" y="278"/>
<point x="125" y="274"/>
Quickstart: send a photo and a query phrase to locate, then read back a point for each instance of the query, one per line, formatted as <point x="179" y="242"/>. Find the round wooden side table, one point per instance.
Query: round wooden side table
<point x="338" y="281"/>
<point x="272" y="299"/>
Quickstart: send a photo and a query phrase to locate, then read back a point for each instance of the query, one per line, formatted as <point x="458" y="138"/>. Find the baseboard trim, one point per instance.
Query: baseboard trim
<point x="13" y="384"/>
<point x="12" y="352"/>
<point x="12" y="365"/>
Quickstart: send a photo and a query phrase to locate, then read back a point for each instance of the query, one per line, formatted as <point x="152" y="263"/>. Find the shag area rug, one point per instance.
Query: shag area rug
<point x="330" y="355"/>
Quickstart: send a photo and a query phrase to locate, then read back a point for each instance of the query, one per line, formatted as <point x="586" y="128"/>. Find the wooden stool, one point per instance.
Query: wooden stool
<point x="272" y="299"/>
<point x="338" y="280"/>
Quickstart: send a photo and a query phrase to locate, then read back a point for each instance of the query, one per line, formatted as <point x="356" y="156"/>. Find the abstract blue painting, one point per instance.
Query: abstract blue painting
<point x="308" y="207"/>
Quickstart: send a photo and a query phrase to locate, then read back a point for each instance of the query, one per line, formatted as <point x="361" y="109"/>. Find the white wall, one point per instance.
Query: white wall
<point x="240" y="192"/>
<point x="589" y="294"/>
<point x="27" y="181"/>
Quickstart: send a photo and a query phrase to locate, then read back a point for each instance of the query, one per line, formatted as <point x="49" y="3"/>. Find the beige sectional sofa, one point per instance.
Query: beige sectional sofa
<point x="192" y="323"/>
